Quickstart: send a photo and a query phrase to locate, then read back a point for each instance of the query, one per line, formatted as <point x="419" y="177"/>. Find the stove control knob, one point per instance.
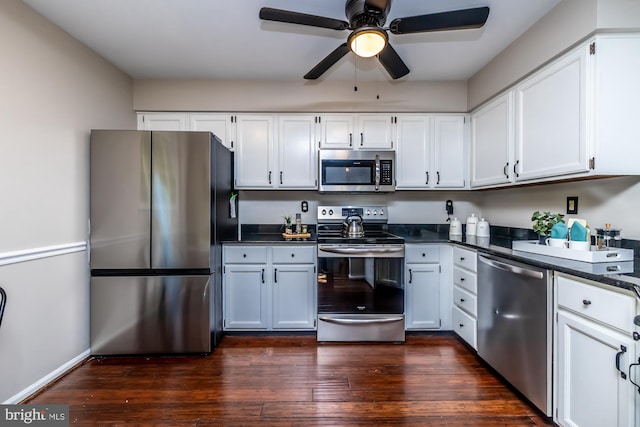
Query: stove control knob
<point x="324" y="211"/>
<point x="381" y="212"/>
<point x="375" y="212"/>
<point x="330" y="211"/>
<point x="368" y="212"/>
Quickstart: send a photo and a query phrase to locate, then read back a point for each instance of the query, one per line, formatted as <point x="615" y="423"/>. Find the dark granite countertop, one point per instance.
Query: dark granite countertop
<point x="499" y="244"/>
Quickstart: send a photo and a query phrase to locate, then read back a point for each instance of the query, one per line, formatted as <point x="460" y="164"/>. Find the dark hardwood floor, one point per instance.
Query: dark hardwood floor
<point x="431" y="380"/>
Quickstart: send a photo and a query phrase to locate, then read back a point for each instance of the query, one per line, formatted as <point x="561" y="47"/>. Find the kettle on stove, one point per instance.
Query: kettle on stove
<point x="352" y="226"/>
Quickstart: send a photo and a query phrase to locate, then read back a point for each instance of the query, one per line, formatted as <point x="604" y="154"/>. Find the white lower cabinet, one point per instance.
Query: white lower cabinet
<point x="593" y="354"/>
<point x="422" y="287"/>
<point x="269" y="287"/>
<point x="465" y="291"/>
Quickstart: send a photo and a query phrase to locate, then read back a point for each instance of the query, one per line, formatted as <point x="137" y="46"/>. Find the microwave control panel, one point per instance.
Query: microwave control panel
<point x="386" y="172"/>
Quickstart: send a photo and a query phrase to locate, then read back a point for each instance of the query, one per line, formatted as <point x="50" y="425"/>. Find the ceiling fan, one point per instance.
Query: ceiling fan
<point x="368" y="37"/>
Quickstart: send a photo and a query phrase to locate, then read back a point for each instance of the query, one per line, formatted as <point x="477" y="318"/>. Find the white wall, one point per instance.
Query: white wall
<point x="299" y="96"/>
<point x="404" y="207"/>
<point x="54" y="91"/>
<point x="614" y="201"/>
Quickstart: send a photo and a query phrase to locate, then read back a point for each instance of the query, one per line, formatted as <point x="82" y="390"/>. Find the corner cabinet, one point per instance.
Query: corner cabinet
<point x="431" y="151"/>
<point x="492" y="142"/>
<point x="269" y="287"/>
<point x="594" y="350"/>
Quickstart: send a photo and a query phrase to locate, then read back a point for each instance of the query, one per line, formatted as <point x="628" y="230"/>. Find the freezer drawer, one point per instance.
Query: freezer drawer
<point x="150" y="315"/>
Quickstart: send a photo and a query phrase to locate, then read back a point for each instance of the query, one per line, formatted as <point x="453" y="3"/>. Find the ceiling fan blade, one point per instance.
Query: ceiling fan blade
<point x="392" y="62"/>
<point x="453" y="20"/>
<point x="327" y="62"/>
<point x="289" y="17"/>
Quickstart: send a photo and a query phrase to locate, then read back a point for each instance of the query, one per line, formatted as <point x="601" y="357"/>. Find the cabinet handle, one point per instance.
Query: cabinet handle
<point x="461" y="325"/>
<point x="262" y="275"/>
<point x="275" y="275"/>
<point x="461" y="299"/>
<point x="361" y="139"/>
<point x="623" y="350"/>
<point x="3" y="303"/>
<point x="269" y="177"/>
<point x="462" y="279"/>
<point x="438" y="175"/>
<point x="515" y="167"/>
<point x="461" y="258"/>
<point x="424" y="255"/>
<point x="410" y="276"/>
<point x="426" y="183"/>
<point x="292" y="255"/>
<point x="350" y="140"/>
<point x="280" y="177"/>
<point x="504" y="170"/>
<point x="586" y="302"/>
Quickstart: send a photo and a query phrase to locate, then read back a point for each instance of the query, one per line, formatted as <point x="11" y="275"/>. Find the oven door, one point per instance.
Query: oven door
<point x="360" y="292"/>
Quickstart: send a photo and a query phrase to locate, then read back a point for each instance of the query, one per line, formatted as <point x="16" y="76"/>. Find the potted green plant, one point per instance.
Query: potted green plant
<point x="287" y="224"/>
<point x="544" y="221"/>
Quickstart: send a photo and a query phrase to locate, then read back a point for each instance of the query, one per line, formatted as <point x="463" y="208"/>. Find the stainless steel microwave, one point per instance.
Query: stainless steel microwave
<point x="357" y="171"/>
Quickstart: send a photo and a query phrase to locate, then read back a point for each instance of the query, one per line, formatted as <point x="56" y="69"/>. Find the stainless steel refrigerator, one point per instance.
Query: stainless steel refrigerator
<point x="159" y="208"/>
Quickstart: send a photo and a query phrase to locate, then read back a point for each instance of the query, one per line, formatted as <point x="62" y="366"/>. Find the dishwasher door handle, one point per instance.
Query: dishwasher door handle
<point x="511" y="268"/>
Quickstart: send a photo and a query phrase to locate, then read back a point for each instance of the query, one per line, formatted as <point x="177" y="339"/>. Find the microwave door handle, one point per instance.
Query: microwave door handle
<point x="377" y="181"/>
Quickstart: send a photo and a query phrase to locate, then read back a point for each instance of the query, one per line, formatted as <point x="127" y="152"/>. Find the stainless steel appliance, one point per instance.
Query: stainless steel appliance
<point x="158" y="211"/>
<point x="355" y="171"/>
<point x="360" y="278"/>
<point x="515" y="325"/>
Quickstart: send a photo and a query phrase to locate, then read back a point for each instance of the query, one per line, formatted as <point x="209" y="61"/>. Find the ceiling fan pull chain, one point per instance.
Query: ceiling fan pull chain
<point x="355" y="73"/>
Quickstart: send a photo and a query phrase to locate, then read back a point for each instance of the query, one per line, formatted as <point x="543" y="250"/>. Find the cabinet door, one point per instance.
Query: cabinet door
<point x="374" y="131"/>
<point x="245" y="296"/>
<point x="422" y="296"/>
<point x="492" y="140"/>
<point x="449" y="154"/>
<point x="162" y="121"/>
<point x="413" y="154"/>
<point x="591" y="391"/>
<point x="551" y="120"/>
<point x="254" y="152"/>
<point x="221" y="125"/>
<point x="337" y="131"/>
<point x="297" y="152"/>
<point x="294" y="296"/>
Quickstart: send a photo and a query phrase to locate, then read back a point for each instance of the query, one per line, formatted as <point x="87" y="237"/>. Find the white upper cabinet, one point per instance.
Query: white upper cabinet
<point x="413" y="151"/>
<point x="336" y="131"/>
<point x="297" y="151"/>
<point x="356" y="131"/>
<point x="374" y="132"/>
<point x="162" y="121"/>
<point x="254" y="158"/>
<point x="551" y="137"/>
<point x="431" y="151"/>
<point x="449" y="154"/>
<point x="492" y="141"/>
<point x="221" y="125"/>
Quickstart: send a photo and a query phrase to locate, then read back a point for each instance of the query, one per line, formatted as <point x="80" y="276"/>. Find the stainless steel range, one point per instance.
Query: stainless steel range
<point x="360" y="275"/>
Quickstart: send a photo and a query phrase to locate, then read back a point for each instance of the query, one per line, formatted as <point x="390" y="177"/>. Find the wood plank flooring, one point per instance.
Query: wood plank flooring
<point x="431" y="380"/>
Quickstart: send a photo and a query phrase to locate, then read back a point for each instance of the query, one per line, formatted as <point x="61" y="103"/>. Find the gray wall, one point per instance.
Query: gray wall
<point x="54" y="90"/>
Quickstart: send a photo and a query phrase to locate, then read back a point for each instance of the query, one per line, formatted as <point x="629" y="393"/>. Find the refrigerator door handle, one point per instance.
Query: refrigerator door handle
<point x="3" y="303"/>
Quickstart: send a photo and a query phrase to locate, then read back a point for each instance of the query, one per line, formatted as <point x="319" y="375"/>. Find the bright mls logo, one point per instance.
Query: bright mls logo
<point x="37" y="415"/>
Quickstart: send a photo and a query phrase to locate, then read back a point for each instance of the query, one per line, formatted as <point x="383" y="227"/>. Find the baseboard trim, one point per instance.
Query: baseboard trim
<point x="43" y="252"/>
<point x="47" y="379"/>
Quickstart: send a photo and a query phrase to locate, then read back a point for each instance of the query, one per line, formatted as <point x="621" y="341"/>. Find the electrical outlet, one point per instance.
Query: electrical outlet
<point x="449" y="207"/>
<point x="304" y="206"/>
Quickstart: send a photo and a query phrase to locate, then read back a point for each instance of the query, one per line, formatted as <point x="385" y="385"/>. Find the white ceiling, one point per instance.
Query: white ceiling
<point x="225" y="39"/>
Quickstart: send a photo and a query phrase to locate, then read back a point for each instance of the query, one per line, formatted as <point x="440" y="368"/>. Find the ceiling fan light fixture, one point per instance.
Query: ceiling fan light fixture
<point x="368" y="41"/>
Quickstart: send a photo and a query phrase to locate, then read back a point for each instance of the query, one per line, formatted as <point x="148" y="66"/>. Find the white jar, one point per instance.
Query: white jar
<point x="483" y="229"/>
<point x="472" y="225"/>
<point x="455" y="228"/>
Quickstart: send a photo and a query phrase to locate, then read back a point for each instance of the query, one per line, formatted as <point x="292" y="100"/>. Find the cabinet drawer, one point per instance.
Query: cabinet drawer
<point x="609" y="307"/>
<point x="465" y="300"/>
<point x="465" y="279"/>
<point x="422" y="253"/>
<point x="245" y="254"/>
<point x="464" y="258"/>
<point x="465" y="326"/>
<point x="294" y="254"/>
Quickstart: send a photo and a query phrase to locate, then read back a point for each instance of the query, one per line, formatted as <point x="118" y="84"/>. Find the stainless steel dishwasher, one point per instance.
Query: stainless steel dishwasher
<point x="515" y="325"/>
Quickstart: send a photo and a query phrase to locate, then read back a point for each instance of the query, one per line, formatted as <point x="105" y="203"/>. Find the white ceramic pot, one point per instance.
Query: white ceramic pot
<point x="455" y="228"/>
<point x="472" y="225"/>
<point x="483" y="229"/>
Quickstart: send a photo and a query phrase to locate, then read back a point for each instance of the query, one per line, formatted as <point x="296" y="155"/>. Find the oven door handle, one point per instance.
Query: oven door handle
<point x="361" y="251"/>
<point x="348" y="321"/>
